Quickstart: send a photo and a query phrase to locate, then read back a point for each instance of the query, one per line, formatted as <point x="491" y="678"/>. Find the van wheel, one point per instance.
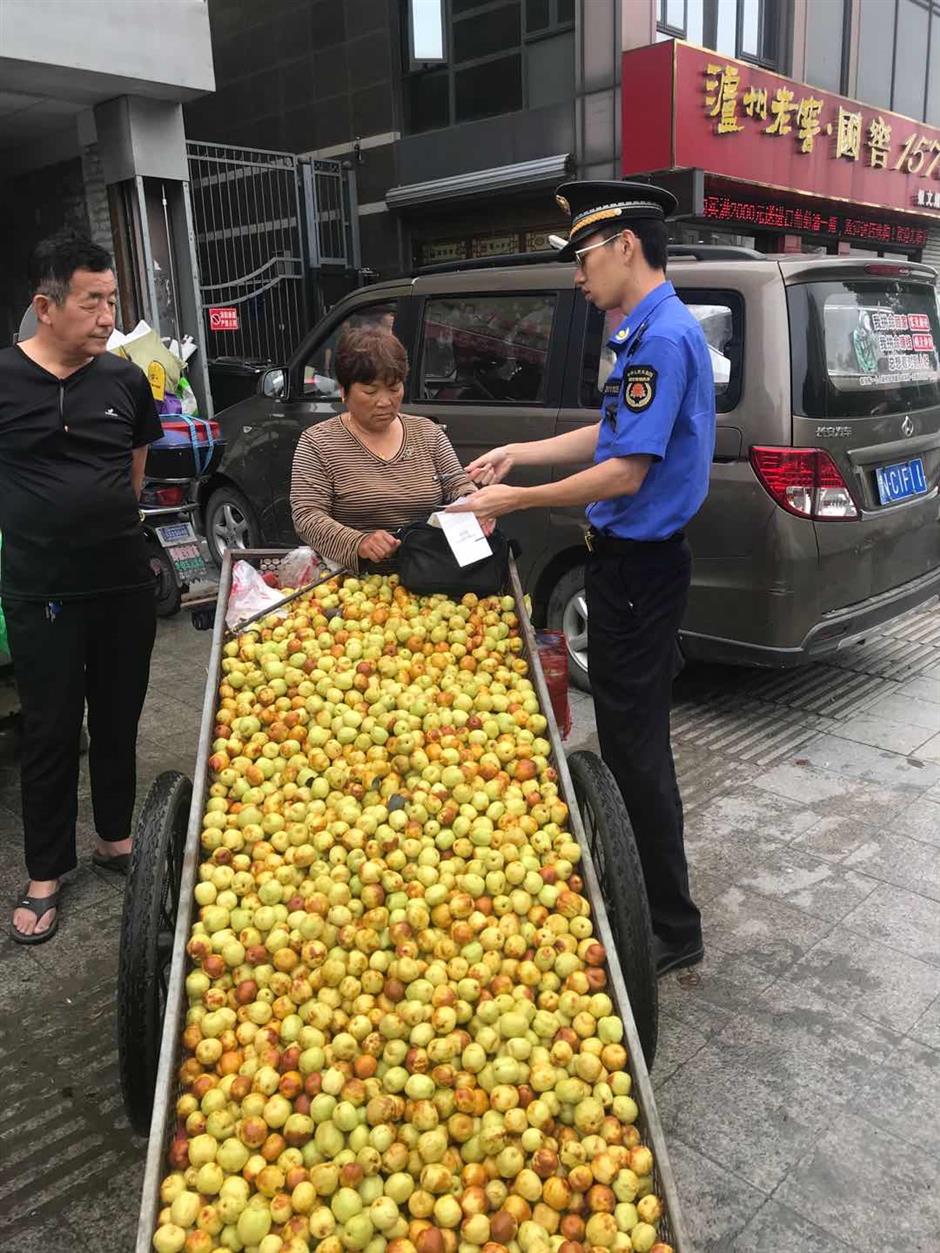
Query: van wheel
<point x="230" y="522"/>
<point x="567" y="611"/>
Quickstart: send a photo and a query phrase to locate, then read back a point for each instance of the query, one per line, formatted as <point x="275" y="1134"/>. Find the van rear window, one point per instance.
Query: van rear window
<point x="863" y="348"/>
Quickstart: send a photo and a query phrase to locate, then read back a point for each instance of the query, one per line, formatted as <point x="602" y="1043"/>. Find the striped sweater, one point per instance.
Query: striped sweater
<point x="341" y="492"/>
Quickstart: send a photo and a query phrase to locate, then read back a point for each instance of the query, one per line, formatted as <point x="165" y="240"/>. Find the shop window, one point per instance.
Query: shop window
<point x="486" y="349"/>
<point x="320" y="367"/>
<point x="737" y="28"/>
<point x="485" y="45"/>
<point x="827" y="49"/>
<point x="721" y="317"/>
<point x="910" y="58"/>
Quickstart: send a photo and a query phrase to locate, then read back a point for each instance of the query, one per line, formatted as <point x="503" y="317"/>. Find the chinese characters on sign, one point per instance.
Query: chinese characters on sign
<point x="223" y="318"/>
<point x="776" y="216"/>
<point x="800" y="117"/>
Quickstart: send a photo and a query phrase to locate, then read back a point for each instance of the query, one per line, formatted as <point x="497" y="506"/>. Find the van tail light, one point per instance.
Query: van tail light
<point x="804" y="481"/>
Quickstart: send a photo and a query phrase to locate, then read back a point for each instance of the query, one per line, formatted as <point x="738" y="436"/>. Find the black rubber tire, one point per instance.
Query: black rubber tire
<point x="617" y="862"/>
<point x="167" y="591"/>
<point x="151" y="903"/>
<point x="569" y="586"/>
<point x="231" y="496"/>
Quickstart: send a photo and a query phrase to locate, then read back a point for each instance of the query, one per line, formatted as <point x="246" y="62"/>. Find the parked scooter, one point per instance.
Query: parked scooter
<point x="190" y="450"/>
<point x="169" y="508"/>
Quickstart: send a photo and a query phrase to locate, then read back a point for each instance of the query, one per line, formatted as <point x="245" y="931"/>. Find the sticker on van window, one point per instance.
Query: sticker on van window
<point x="888" y="347"/>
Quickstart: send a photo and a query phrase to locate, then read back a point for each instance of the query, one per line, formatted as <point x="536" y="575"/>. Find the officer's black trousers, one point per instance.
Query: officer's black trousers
<point x="636" y="596"/>
<point x="95" y="650"/>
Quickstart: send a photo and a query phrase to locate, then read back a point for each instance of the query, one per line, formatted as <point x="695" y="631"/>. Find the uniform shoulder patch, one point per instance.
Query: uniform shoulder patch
<point x="639" y="387"/>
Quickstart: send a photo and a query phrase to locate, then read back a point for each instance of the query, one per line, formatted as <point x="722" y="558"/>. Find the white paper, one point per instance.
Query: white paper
<point x="464" y="535"/>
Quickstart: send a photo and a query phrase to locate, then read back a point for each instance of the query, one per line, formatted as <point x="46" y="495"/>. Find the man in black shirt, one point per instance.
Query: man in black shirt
<point x="77" y="588"/>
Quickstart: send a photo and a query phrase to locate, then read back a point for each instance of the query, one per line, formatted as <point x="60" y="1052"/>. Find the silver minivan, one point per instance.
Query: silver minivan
<point x="822" y="518"/>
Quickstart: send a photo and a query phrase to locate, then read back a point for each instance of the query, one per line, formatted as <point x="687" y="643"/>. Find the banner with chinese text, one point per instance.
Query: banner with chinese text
<point x="685" y="107"/>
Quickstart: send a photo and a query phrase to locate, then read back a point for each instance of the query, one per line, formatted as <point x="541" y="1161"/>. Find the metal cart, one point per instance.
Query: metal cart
<point x="159" y="910"/>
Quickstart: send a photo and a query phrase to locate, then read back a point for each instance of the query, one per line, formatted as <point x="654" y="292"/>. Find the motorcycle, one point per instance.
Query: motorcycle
<point x="169" y="507"/>
<point x="189" y="451"/>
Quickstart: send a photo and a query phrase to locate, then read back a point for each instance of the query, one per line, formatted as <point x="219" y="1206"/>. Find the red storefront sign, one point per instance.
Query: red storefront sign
<point x="223" y="318"/>
<point x="685" y="107"/>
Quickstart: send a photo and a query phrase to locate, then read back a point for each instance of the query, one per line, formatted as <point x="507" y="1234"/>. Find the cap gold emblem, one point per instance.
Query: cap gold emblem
<point x="563" y="205"/>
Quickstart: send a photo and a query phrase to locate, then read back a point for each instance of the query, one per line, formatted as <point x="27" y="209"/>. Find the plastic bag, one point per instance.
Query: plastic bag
<point x="187" y="397"/>
<point x="144" y="347"/>
<point x="249" y="595"/>
<point x="300" y="566"/>
<point x="553" y="654"/>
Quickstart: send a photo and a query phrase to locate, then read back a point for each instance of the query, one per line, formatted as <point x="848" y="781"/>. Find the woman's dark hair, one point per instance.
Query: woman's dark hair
<point x="55" y="260"/>
<point x="366" y="355"/>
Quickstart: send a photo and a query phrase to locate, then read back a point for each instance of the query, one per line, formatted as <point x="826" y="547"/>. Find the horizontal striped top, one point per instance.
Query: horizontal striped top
<point x="341" y="491"/>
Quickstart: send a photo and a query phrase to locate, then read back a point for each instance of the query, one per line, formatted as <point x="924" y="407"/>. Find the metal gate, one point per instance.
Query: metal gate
<point x="265" y="223"/>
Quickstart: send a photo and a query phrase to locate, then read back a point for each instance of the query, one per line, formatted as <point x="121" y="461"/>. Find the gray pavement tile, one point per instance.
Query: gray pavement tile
<point x="873" y="765"/>
<point x="677" y="1043"/>
<point x="108" y="1218"/>
<point x="18" y="970"/>
<point x="904" y="921"/>
<point x="87" y="941"/>
<point x="726" y="851"/>
<point x="769" y="933"/>
<point x="705" y="885"/>
<point x="915" y="814"/>
<point x="804" y="782"/>
<point x="897" y="859"/>
<point x="757" y="811"/>
<point x="908" y="710"/>
<point x="801" y="1040"/>
<point x="759" y="1127"/>
<point x="879" y="732"/>
<point x="835" y="1184"/>
<point x="931" y="750"/>
<point x="708" y="997"/>
<point x="777" y="1229"/>
<point x="905" y="1097"/>
<point x="927" y="1028"/>
<point x="716" y="1204"/>
<point x="808" y="883"/>
<point x="865" y="977"/>
<point x="834" y="837"/>
<point x="924" y="686"/>
<point x="48" y="1235"/>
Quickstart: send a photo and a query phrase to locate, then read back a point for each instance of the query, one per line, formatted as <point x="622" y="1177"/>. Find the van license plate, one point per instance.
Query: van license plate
<point x="176" y="533"/>
<point x="901" y="481"/>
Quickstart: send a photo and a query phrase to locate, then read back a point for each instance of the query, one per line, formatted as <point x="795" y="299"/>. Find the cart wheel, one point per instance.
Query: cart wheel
<point x="151" y="902"/>
<point x="614" y="853"/>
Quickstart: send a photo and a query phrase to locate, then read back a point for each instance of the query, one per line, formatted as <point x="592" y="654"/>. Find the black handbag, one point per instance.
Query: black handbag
<point x="426" y="564"/>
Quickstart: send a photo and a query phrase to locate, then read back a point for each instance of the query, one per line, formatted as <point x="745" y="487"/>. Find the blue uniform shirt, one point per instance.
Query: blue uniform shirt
<point x="660" y="400"/>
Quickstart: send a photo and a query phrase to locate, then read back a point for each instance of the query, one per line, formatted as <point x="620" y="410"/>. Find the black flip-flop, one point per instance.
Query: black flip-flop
<point x="40" y="906"/>
<point x="119" y="864"/>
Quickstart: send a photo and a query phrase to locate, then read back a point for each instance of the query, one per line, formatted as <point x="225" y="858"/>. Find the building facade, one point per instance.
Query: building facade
<point x="92" y="137"/>
<point x="457" y="144"/>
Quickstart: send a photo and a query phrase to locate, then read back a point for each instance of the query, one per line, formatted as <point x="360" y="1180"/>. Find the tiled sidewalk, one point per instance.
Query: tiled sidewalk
<point x="798" y="1072"/>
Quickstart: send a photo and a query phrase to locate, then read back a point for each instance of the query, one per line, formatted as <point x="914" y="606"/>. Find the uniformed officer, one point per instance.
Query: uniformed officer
<point x="651" y="450"/>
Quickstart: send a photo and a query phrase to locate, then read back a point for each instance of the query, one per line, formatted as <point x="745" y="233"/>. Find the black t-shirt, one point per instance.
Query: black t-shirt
<point x="68" y="514"/>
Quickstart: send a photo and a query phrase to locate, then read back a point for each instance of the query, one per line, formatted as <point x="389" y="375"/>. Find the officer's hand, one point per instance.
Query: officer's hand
<point x="491" y="467"/>
<point x="378" y="546"/>
<point x="489" y="502"/>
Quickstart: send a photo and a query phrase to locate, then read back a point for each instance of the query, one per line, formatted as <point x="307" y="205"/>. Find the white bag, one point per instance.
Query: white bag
<point x="249" y="595"/>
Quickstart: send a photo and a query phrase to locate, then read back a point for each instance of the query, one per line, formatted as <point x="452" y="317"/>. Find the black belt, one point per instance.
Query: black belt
<point x="600" y="542"/>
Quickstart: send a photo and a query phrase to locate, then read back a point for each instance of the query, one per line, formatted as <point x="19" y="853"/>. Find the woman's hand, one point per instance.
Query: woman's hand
<point x="492" y="466"/>
<point x="489" y="502"/>
<point x="378" y="546"/>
